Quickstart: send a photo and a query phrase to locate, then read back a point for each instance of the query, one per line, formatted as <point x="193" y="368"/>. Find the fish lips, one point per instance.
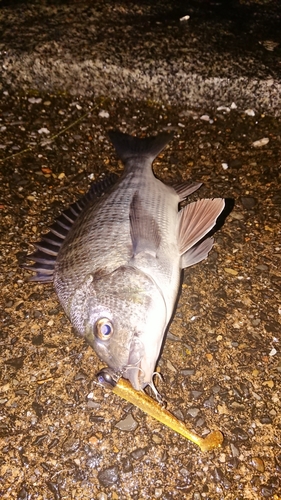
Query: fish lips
<point x="145" y="349"/>
<point x="132" y="368"/>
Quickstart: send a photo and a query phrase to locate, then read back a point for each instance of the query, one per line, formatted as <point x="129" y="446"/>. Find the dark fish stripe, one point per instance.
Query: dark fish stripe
<point x="44" y="268"/>
<point x="53" y="239"/>
<point x="64" y="222"/>
<point x="69" y="215"/>
<point x="79" y="206"/>
<point x="74" y="212"/>
<point x="42" y="258"/>
<point x="48" y="248"/>
<point x="41" y="277"/>
<point x="57" y="231"/>
<point x="49" y="243"/>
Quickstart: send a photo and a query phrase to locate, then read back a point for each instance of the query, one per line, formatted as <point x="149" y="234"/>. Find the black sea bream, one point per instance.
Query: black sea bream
<point x="116" y="257"/>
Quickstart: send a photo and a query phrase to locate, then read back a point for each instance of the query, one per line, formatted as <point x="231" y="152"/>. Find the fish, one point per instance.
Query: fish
<point x="122" y="388"/>
<point x="116" y="257"/>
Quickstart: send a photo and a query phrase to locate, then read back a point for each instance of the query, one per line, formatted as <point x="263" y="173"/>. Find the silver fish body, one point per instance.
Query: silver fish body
<point x="117" y="269"/>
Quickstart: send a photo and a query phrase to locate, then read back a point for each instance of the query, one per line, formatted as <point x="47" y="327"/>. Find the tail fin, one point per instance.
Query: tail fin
<point x="128" y="146"/>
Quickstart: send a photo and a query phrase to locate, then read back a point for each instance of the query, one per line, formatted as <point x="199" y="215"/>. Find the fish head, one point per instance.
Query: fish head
<point x="125" y="323"/>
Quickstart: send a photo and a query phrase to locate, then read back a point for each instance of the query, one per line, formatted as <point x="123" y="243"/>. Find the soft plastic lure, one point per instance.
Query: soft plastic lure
<point x="123" y="388"/>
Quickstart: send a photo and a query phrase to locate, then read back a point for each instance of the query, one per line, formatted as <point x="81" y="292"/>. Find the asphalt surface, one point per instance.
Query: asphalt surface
<point x="226" y="52"/>
<point x="62" y="435"/>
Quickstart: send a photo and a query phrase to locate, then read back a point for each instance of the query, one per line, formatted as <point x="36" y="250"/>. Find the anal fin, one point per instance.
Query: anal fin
<point x="197" y="253"/>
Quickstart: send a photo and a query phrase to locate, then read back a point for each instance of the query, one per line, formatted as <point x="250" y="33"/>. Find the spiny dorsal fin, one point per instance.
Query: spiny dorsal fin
<point x="128" y="146"/>
<point x="48" y="248"/>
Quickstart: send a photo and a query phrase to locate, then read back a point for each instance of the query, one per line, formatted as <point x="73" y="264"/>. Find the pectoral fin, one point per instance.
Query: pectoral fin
<point x="196" y="220"/>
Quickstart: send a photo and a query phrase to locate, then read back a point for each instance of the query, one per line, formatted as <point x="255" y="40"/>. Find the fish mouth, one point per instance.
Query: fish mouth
<point x="135" y="376"/>
<point x="133" y="371"/>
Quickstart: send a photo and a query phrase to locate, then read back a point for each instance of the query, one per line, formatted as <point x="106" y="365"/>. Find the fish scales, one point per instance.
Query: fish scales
<point x="116" y="258"/>
<point x="101" y="237"/>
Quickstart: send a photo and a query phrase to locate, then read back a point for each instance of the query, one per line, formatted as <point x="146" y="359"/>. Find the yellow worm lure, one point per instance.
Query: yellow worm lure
<point x="148" y="405"/>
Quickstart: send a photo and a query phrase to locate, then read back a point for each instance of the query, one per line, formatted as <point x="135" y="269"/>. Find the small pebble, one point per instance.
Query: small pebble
<point x="184" y="18"/>
<point x="206" y="118"/>
<point x="240" y="434"/>
<point x="260" y="142"/>
<point x="158" y="492"/>
<point x="272" y="352"/>
<point x="157" y="439"/>
<point x="267" y="491"/>
<point x="266" y="420"/>
<point x="102" y="496"/>
<point x="71" y="445"/>
<point x="231" y="271"/>
<point x="224" y="108"/>
<point x="234" y="450"/>
<point x="193" y="412"/>
<point x="200" y="422"/>
<point x="43" y="130"/>
<point x="278" y="462"/>
<point x="138" y="453"/>
<point x="188" y="371"/>
<point x="127" y="465"/>
<point x="108" y="477"/>
<point x="35" y="100"/>
<point x="269" y="383"/>
<point x="170" y="366"/>
<point x="210" y="402"/>
<point x="93" y="462"/>
<point x="257" y="463"/>
<point x="248" y="202"/>
<point x="104" y="114"/>
<point x="249" y="112"/>
<point x="127" y="424"/>
<point x="196" y="496"/>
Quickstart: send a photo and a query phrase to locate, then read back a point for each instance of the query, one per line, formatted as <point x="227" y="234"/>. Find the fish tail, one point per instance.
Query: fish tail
<point x="128" y="146"/>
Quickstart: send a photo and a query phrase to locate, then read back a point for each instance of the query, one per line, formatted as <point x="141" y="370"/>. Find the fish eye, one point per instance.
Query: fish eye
<point x="103" y="329"/>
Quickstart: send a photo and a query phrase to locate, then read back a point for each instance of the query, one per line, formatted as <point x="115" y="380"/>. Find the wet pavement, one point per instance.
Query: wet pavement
<point x="62" y="435"/>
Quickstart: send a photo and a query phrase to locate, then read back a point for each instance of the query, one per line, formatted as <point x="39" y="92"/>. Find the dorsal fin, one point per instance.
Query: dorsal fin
<point x="128" y="146"/>
<point x="48" y="248"/>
